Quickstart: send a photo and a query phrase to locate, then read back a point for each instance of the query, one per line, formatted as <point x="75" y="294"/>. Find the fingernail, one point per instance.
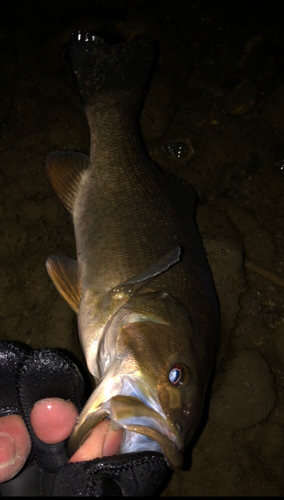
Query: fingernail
<point x="8" y="450"/>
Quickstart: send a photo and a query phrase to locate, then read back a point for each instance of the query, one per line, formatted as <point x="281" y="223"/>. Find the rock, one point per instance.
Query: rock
<point x="226" y="261"/>
<point x="276" y="348"/>
<point x="246" y="395"/>
<point x="241" y="98"/>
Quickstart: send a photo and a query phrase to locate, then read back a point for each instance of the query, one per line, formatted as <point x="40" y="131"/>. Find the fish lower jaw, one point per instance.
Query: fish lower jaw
<point x="141" y="428"/>
<point x="141" y="438"/>
<point x="109" y="438"/>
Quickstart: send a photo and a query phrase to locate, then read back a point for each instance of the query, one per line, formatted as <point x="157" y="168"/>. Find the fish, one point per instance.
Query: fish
<point x="141" y="285"/>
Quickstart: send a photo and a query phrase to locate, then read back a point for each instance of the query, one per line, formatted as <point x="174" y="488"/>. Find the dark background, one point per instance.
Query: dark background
<point x="217" y="96"/>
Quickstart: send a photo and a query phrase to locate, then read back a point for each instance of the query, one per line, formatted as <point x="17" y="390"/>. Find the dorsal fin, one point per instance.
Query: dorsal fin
<point x="64" y="273"/>
<point x="64" y="170"/>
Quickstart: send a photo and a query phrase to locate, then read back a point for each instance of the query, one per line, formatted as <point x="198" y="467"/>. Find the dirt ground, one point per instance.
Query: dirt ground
<point x="214" y="115"/>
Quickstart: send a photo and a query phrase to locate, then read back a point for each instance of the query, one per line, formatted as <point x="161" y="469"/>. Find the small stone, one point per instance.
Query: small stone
<point x="246" y="395"/>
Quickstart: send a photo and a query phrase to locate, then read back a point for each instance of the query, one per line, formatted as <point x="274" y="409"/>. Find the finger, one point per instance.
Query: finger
<point x="15" y="446"/>
<point x="102" y="442"/>
<point x="53" y="419"/>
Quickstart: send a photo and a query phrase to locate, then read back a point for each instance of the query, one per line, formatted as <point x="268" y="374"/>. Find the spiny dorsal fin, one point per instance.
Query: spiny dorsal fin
<point x="64" y="170"/>
<point x="64" y="273"/>
<point x="131" y="286"/>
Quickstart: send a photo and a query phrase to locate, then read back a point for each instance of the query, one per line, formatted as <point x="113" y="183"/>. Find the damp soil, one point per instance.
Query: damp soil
<point x="214" y="116"/>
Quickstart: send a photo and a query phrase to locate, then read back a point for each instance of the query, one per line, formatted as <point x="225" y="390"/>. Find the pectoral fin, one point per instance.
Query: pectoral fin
<point x="64" y="273"/>
<point x="130" y="287"/>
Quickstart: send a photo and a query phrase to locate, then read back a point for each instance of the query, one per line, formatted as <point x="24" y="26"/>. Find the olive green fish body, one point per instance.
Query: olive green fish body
<point x="141" y="286"/>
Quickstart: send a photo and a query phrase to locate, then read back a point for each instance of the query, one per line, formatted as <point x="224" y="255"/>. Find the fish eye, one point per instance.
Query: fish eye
<point x="176" y="375"/>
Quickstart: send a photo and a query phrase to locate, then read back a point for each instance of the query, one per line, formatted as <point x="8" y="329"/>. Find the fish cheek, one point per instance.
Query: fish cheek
<point x="141" y="342"/>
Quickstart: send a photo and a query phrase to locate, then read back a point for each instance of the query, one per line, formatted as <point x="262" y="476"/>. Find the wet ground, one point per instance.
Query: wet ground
<point x="214" y="115"/>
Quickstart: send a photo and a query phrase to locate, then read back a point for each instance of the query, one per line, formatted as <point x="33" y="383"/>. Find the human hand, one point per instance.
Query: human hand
<point x="41" y="395"/>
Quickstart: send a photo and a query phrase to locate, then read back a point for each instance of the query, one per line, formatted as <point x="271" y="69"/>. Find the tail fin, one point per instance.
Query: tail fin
<point x="102" y="68"/>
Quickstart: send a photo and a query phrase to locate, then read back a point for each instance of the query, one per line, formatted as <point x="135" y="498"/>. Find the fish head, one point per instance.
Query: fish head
<point x="167" y="353"/>
<point x="152" y="385"/>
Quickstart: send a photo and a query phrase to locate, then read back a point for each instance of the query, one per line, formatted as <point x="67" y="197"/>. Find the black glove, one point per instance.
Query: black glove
<point x="27" y="376"/>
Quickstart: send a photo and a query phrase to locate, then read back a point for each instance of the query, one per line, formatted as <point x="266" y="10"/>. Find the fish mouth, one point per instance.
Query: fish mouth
<point x="144" y="429"/>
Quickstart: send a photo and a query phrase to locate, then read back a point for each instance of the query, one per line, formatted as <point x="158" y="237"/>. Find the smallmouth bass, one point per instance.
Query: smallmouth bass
<point x="141" y="286"/>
